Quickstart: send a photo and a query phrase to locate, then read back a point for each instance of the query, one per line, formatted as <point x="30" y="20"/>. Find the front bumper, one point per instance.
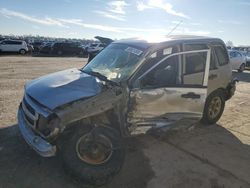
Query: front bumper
<point x="41" y="146"/>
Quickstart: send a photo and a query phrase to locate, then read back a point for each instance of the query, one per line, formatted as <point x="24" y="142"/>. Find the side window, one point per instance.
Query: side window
<point x="165" y="74"/>
<point x="7" y="42"/>
<point x="17" y="42"/>
<point x="221" y="55"/>
<point x="178" y="70"/>
<point x="213" y="61"/>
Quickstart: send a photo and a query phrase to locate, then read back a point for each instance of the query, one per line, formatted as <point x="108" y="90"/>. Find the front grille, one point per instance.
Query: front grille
<point x="30" y="115"/>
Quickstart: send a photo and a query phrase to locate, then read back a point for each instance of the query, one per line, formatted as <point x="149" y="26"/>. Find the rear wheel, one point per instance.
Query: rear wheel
<point x="94" y="155"/>
<point x="22" y="51"/>
<point x="242" y="67"/>
<point x="214" y="108"/>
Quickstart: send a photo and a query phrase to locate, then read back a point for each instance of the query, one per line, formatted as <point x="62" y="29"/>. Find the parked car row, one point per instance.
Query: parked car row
<point x="55" y="48"/>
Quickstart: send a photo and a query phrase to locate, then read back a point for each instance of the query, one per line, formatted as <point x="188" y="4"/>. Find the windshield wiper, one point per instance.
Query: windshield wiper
<point x="100" y="76"/>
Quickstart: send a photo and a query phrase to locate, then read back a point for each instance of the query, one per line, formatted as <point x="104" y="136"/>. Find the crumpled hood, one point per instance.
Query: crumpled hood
<point x="62" y="87"/>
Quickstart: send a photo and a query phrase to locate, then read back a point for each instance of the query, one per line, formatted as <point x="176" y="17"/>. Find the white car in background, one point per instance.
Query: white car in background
<point x="238" y="60"/>
<point x="95" y="47"/>
<point x="14" y="46"/>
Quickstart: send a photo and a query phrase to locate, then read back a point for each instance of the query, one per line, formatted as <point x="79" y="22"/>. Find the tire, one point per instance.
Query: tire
<point x="242" y="67"/>
<point x="22" y="51"/>
<point x="214" y="107"/>
<point x="89" y="170"/>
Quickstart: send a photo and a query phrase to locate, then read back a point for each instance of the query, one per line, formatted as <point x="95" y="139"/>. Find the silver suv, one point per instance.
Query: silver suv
<point x="84" y="113"/>
<point x="14" y="46"/>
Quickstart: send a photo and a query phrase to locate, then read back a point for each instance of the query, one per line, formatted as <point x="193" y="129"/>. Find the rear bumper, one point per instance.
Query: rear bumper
<point x="41" y="146"/>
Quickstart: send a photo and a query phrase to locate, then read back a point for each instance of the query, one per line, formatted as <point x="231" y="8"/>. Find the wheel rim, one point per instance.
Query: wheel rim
<point x="22" y="52"/>
<point x="214" y="107"/>
<point x="94" y="149"/>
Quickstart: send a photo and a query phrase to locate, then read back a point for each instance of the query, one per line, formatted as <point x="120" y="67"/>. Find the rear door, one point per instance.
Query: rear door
<point x="173" y="88"/>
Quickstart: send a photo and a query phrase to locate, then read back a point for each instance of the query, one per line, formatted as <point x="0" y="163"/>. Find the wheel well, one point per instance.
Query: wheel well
<point x="222" y="90"/>
<point x="107" y="119"/>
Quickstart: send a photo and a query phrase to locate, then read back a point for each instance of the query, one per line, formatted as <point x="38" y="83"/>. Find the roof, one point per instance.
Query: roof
<point x="144" y="43"/>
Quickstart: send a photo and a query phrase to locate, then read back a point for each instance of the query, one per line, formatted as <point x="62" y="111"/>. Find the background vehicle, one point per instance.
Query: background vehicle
<point x="67" y="48"/>
<point x="30" y="48"/>
<point x="95" y="48"/>
<point x="131" y="84"/>
<point x="46" y="48"/>
<point x="238" y="60"/>
<point x="248" y="59"/>
<point x="14" y="46"/>
<point x="36" y="46"/>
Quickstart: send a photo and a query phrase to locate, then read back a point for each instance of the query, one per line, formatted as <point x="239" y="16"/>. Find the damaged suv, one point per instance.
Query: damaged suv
<point x="83" y="114"/>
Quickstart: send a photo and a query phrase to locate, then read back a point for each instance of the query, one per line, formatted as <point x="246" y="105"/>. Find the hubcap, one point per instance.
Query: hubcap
<point x="94" y="149"/>
<point x="214" y="107"/>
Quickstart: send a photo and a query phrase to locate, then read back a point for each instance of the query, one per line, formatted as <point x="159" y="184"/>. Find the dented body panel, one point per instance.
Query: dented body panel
<point x="165" y="103"/>
<point x="63" y="87"/>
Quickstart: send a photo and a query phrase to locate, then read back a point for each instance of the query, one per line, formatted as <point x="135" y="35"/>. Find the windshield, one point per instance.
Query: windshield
<point x="116" y="62"/>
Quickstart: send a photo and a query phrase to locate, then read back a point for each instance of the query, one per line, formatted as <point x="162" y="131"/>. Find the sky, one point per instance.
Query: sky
<point x="226" y="19"/>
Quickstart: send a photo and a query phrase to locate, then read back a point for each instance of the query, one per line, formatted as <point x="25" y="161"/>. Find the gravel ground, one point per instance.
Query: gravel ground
<point x="193" y="156"/>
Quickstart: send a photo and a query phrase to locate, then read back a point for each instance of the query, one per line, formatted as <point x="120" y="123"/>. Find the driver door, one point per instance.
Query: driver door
<point x="175" y="87"/>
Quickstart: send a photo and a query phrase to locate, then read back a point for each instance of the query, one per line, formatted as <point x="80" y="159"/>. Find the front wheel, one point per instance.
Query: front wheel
<point x="214" y="108"/>
<point x="93" y="155"/>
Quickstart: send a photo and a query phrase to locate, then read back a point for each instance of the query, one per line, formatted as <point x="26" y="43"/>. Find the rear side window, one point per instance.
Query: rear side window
<point x="13" y="42"/>
<point x="221" y="55"/>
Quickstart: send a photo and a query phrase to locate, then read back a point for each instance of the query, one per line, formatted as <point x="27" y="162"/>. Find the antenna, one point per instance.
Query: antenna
<point x="175" y="27"/>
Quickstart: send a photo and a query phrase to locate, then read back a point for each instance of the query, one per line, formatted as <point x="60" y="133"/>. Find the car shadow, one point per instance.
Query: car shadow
<point x="213" y="146"/>
<point x="21" y="167"/>
<point x="242" y="76"/>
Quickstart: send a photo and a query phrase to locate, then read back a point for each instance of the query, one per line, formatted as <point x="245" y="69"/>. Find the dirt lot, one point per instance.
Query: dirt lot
<point x="195" y="156"/>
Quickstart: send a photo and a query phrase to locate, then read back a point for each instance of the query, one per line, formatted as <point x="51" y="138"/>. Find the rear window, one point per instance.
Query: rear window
<point x="221" y="55"/>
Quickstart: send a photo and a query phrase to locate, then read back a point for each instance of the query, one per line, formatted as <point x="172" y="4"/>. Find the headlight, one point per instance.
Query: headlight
<point x="49" y="126"/>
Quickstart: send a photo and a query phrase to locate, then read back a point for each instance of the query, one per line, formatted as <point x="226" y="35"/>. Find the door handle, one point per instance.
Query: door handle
<point x="212" y="76"/>
<point x="191" y="95"/>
